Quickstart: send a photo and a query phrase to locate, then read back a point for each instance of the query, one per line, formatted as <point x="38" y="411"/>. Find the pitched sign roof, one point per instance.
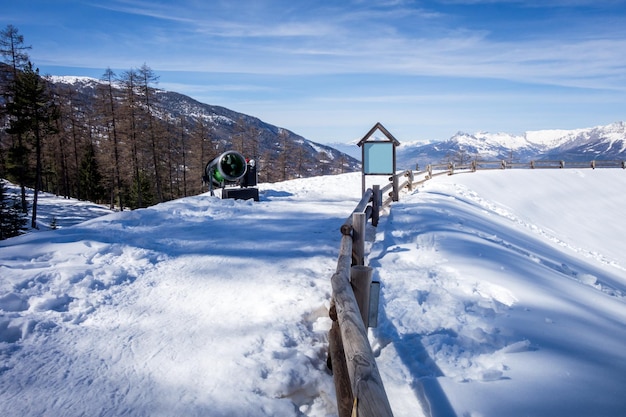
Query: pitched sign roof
<point x="384" y="131"/>
<point x="378" y="154"/>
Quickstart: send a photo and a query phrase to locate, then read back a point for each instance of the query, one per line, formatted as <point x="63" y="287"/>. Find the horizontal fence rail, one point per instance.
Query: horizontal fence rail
<point x="477" y="165"/>
<point x="358" y="385"/>
<point x="366" y="390"/>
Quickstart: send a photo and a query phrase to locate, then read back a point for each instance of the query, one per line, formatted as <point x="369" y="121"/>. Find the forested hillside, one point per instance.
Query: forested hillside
<point x="122" y="141"/>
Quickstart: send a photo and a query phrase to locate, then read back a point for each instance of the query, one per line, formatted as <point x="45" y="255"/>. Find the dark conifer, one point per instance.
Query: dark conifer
<point x="33" y="116"/>
<point x="12" y="219"/>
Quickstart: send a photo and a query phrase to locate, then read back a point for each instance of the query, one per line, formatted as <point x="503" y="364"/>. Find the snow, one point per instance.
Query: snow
<point x="503" y="293"/>
<point x="485" y="140"/>
<point x="71" y="79"/>
<point x="552" y="138"/>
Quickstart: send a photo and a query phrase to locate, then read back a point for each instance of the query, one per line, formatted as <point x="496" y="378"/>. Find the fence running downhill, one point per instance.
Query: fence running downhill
<point x="354" y="304"/>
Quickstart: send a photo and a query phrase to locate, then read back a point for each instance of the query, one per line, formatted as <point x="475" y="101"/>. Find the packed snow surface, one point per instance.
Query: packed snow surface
<point x="503" y="294"/>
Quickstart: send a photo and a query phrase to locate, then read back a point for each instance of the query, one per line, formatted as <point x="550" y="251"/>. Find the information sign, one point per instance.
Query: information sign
<point x="378" y="158"/>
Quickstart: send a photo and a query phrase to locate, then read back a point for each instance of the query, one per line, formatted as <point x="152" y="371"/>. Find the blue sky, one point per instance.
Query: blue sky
<point x="329" y="70"/>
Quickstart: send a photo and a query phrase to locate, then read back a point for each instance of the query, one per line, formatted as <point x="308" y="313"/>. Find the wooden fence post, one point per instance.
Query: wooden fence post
<point x="396" y="191"/>
<point x="409" y="174"/>
<point x="358" y="238"/>
<point x="372" y="319"/>
<point x="343" y="388"/>
<point x="367" y="385"/>
<point x="376" y="203"/>
<point x="361" y="279"/>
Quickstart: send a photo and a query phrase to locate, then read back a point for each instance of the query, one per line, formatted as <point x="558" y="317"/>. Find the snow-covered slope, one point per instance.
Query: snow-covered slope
<point x="503" y="294"/>
<point x="602" y="142"/>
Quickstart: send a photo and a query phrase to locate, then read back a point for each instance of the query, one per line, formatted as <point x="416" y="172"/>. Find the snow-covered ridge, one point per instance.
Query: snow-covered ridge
<point x="549" y="138"/>
<point x="73" y="80"/>
<point x="600" y="142"/>
<point x="552" y="137"/>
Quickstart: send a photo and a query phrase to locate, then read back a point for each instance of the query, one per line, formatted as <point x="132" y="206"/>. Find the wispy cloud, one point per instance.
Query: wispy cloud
<point x="168" y="12"/>
<point x="384" y="38"/>
<point x="539" y="3"/>
<point x="374" y="55"/>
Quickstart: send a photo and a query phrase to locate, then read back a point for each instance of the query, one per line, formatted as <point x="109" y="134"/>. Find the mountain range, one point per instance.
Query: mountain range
<point x="586" y="144"/>
<point x="595" y="143"/>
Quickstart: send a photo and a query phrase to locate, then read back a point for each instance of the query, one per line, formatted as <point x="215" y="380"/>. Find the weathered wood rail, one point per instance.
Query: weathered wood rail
<point x="418" y="176"/>
<point x="478" y="165"/>
<point x="358" y="384"/>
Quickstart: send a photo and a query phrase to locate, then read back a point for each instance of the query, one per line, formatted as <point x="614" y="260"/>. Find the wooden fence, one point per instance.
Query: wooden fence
<point x="477" y="165"/>
<point x="358" y="385"/>
<point x="418" y="176"/>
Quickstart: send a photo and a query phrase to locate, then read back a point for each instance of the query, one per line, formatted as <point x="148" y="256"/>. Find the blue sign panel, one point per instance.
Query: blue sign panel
<point x="378" y="158"/>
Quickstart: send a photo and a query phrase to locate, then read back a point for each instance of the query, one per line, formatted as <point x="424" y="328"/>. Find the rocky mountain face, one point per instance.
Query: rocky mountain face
<point x="597" y="143"/>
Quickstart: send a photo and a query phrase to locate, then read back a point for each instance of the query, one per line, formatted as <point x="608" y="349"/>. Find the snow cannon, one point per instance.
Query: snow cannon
<point x="228" y="167"/>
<point x="229" y="170"/>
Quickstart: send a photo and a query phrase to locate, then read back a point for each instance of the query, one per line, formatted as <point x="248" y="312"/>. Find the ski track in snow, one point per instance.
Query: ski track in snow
<point x="494" y="208"/>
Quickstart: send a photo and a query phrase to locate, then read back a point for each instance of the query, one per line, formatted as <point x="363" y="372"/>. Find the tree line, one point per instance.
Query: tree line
<point x="107" y="148"/>
<point x="113" y="146"/>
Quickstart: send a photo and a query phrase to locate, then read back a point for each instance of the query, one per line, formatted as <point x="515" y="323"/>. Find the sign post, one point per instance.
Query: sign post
<point x="378" y="156"/>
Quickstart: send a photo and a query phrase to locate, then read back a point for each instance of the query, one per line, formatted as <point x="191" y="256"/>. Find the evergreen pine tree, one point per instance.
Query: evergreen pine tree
<point x="14" y="55"/>
<point x="33" y="115"/>
<point x="12" y="219"/>
<point x="90" y="177"/>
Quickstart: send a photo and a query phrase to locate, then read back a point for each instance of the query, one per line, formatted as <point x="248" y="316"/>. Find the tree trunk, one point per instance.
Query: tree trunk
<point x="33" y="222"/>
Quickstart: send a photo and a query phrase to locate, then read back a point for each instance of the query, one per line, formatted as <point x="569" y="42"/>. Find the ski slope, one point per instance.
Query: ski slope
<point x="502" y="294"/>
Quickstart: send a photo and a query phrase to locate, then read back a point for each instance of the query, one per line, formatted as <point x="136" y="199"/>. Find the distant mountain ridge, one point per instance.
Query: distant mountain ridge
<point x="599" y="143"/>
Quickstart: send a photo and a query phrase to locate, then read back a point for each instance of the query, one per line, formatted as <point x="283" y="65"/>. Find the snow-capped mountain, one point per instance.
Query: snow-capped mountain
<point x="600" y="142"/>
